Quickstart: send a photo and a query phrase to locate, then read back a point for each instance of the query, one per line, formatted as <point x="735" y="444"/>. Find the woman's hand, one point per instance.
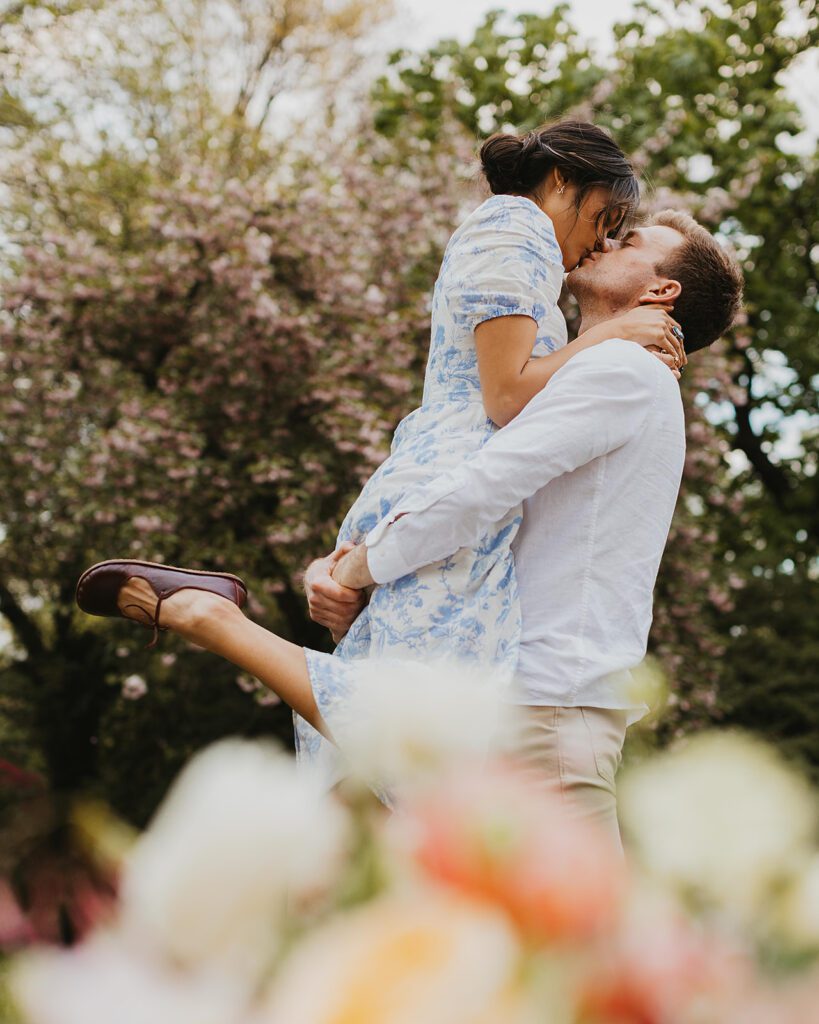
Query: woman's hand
<point x="352" y="569"/>
<point x="651" y="327"/>
<point x="664" y="357"/>
<point x="331" y="604"/>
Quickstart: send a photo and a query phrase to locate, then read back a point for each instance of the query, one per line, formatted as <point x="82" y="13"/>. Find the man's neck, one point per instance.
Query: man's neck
<point x="592" y="317"/>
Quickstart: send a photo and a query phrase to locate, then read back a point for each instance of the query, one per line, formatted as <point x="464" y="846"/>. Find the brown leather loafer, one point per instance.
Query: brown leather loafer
<point x="98" y="588"/>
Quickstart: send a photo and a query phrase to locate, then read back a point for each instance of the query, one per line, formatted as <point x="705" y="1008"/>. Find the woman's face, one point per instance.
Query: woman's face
<point x="580" y="232"/>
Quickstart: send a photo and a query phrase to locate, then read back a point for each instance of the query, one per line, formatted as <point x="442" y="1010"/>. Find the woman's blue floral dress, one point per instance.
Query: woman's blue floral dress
<point x="503" y="260"/>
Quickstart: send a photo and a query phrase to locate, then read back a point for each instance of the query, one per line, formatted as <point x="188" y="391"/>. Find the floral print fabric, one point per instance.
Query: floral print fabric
<point x="503" y="260"/>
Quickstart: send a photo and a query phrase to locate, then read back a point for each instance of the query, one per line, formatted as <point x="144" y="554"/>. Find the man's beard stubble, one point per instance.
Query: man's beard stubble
<point x="580" y="284"/>
<point x="596" y="297"/>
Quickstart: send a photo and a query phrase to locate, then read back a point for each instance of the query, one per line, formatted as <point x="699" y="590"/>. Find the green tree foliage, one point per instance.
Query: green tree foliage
<point x="696" y="95"/>
<point x="705" y="115"/>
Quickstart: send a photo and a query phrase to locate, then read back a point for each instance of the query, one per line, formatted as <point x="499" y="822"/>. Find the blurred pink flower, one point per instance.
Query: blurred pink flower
<point x="494" y="837"/>
<point x="15" y="929"/>
<point x="661" y="968"/>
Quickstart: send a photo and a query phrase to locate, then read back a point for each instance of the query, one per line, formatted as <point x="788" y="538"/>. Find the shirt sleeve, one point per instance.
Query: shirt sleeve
<point x="594" y="404"/>
<point x="506" y="263"/>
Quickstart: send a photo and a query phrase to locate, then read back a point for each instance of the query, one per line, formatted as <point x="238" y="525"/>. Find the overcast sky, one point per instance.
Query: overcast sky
<point x="429" y="20"/>
<point x="422" y="22"/>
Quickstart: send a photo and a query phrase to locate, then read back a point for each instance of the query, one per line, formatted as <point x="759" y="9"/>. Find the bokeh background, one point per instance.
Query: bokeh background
<point x="220" y="223"/>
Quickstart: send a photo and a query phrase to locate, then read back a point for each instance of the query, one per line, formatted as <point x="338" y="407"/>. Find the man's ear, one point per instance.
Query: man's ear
<point x="664" y="291"/>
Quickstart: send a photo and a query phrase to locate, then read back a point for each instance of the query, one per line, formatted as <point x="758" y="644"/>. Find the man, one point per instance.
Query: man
<point x="598" y="457"/>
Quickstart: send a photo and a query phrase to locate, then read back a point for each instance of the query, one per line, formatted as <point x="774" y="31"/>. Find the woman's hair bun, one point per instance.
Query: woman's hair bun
<point x="586" y="156"/>
<point x="500" y="162"/>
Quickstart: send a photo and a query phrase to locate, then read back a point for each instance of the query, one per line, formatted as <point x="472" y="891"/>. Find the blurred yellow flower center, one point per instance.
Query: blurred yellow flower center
<point x="385" y="980"/>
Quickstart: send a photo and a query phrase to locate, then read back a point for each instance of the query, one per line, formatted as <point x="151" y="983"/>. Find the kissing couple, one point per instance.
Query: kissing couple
<point x="518" y="524"/>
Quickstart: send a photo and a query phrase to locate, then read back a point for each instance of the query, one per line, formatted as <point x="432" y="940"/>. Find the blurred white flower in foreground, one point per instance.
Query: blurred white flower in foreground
<point x="103" y="981"/>
<point x="404" y="723"/>
<point x="647" y="684"/>
<point x="429" y="958"/>
<point x="241" y="830"/>
<point x="799" y="913"/>
<point x="722" y="818"/>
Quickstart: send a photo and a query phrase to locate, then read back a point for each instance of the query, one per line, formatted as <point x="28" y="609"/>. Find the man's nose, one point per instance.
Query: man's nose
<point x="607" y="245"/>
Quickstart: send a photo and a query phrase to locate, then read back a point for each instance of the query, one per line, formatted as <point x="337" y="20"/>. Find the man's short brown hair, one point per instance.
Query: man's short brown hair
<point x="709" y="277"/>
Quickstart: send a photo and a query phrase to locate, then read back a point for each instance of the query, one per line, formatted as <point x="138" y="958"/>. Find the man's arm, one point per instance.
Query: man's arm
<point x="592" y="406"/>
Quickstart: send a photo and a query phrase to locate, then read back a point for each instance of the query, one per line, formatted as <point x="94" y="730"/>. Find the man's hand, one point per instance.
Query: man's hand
<point x="331" y="603"/>
<point x="352" y="570"/>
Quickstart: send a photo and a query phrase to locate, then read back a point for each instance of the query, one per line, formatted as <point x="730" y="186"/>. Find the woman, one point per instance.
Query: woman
<point x="497" y="338"/>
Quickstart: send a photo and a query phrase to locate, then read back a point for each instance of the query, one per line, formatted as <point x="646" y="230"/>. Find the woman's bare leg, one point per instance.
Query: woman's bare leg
<point x="216" y="624"/>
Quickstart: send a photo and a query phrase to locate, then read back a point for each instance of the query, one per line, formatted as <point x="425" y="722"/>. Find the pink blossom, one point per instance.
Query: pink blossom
<point x="494" y="838"/>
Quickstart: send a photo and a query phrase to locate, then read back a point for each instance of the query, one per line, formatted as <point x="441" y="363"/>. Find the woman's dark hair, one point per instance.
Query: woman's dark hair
<point x="585" y="155"/>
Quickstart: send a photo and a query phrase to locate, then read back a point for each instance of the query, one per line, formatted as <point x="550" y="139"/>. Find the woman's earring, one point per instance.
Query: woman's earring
<point x="562" y="189"/>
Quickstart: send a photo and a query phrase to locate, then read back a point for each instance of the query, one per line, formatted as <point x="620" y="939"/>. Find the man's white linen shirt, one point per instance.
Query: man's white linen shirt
<point x="596" y="458"/>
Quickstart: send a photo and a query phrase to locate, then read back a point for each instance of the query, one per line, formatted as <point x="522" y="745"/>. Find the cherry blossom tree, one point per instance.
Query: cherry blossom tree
<point x="205" y="343"/>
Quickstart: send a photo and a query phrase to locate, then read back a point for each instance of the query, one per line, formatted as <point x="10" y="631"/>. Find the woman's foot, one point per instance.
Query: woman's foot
<point x="184" y="612"/>
<point x="205" y="609"/>
<point x="160" y="596"/>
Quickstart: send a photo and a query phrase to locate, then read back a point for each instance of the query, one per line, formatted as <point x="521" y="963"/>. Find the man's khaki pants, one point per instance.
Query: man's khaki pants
<point x="574" y="752"/>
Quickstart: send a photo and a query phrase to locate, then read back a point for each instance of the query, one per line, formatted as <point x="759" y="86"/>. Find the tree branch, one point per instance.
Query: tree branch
<point x="773" y="479"/>
<point x="24" y="627"/>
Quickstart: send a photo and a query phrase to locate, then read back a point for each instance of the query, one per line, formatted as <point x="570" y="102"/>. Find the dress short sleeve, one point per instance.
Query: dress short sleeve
<point x="503" y="261"/>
